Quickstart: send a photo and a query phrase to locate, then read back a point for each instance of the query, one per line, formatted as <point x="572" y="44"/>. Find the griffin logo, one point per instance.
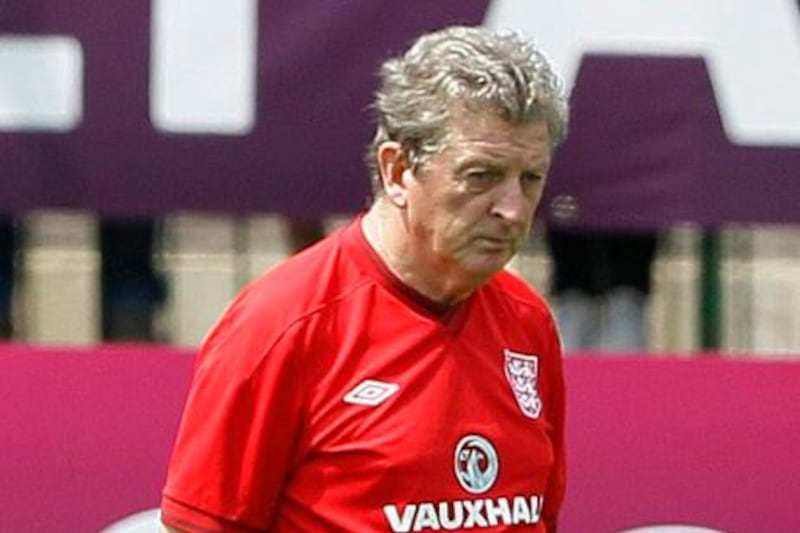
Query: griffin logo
<point x="476" y="464"/>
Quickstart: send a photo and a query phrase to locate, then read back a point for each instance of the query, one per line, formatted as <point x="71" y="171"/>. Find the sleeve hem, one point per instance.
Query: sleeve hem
<point x="184" y="517"/>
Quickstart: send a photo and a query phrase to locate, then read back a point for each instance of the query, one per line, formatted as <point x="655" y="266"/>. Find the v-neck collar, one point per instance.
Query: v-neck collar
<point x="369" y="261"/>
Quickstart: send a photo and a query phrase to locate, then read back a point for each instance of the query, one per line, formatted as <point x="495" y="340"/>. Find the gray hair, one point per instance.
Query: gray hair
<point x="478" y="68"/>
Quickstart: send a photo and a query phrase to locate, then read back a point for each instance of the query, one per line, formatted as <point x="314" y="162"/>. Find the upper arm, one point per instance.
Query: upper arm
<point x="556" y="412"/>
<point x="237" y="438"/>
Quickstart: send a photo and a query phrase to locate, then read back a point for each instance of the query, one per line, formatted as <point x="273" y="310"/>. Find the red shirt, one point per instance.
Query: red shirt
<point x="331" y="397"/>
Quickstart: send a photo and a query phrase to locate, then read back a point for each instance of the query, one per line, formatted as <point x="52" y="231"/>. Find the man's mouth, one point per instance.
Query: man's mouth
<point x="495" y="242"/>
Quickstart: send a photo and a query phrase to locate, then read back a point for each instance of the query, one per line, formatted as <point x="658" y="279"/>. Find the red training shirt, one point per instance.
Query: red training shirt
<point x="331" y="397"/>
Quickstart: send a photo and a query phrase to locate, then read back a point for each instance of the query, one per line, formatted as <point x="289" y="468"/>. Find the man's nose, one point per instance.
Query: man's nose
<point x="511" y="202"/>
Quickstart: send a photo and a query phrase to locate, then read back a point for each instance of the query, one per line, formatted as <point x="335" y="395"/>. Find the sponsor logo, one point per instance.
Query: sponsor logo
<point x="371" y="392"/>
<point x="522" y="371"/>
<point x="476" y="467"/>
<point x="465" y="514"/>
<point x="476" y="464"/>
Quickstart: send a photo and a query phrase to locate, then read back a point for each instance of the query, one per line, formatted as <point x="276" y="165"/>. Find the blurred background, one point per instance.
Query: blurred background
<point x="201" y="260"/>
<point x="156" y="156"/>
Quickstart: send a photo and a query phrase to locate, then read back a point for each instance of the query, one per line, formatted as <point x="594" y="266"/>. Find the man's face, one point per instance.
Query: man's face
<point x="470" y="207"/>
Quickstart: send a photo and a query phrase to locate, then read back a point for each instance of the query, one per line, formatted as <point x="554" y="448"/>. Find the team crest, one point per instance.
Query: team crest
<point x="522" y="371"/>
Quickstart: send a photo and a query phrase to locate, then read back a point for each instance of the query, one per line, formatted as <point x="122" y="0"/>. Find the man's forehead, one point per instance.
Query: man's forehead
<point x="463" y="120"/>
<point x="490" y="133"/>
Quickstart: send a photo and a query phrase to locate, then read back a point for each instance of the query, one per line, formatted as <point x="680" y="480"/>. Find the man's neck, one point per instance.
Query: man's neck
<point x="387" y="234"/>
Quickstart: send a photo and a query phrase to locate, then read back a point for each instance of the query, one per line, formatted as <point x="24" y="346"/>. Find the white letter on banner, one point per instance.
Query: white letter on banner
<point x="203" y="66"/>
<point x="41" y="83"/>
<point x="752" y="49"/>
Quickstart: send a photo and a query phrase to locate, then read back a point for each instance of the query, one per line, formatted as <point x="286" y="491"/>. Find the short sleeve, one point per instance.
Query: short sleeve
<point x="556" y="414"/>
<point x="238" y="436"/>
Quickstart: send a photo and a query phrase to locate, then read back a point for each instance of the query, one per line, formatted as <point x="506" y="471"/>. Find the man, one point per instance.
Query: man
<point x="393" y="377"/>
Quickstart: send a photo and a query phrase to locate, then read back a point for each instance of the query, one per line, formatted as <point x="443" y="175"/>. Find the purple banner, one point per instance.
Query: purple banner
<point x="646" y="147"/>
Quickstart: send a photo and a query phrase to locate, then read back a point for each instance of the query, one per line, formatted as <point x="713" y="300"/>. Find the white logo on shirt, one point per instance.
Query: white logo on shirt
<point x="476" y="464"/>
<point x="371" y="392"/>
<point x="522" y="371"/>
<point x="476" y="467"/>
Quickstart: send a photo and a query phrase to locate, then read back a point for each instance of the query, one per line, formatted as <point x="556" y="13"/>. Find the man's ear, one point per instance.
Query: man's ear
<point x="392" y="165"/>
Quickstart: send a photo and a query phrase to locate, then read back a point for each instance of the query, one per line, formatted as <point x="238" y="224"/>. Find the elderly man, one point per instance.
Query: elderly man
<point x="394" y="377"/>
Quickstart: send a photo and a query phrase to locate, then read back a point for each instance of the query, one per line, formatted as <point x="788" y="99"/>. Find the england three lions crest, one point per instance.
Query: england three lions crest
<point x="522" y="371"/>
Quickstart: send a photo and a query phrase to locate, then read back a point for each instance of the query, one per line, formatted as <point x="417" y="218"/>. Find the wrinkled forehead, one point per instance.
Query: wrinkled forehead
<point x="481" y="117"/>
<point x="485" y="125"/>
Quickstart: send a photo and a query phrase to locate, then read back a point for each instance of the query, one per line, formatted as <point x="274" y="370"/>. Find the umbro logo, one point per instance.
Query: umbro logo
<point x="371" y="392"/>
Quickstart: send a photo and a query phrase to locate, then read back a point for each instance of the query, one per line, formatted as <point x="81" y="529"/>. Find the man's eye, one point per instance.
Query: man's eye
<point x="483" y="175"/>
<point x="531" y="177"/>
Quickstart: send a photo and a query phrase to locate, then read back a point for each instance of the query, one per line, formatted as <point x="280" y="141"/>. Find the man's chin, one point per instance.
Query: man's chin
<point x="488" y="265"/>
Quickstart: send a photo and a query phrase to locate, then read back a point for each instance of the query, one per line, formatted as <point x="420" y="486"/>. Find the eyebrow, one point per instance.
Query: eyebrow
<point x="495" y="163"/>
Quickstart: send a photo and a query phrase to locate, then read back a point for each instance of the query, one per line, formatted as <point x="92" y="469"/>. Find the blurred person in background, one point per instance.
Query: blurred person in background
<point x="601" y="282"/>
<point x="394" y="376"/>
<point x="8" y="249"/>
<point x="132" y="289"/>
<point x="303" y="232"/>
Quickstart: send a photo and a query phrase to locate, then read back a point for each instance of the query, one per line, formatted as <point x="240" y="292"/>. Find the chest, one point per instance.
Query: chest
<point x="417" y="411"/>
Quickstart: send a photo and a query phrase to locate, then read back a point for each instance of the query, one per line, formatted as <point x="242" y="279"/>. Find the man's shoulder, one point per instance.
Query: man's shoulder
<point x="521" y="305"/>
<point x="514" y="288"/>
<point x="279" y="306"/>
<point x="304" y="282"/>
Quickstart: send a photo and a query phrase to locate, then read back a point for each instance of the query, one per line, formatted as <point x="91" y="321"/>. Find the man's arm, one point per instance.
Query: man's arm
<point x="239" y="428"/>
<point x="556" y="413"/>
